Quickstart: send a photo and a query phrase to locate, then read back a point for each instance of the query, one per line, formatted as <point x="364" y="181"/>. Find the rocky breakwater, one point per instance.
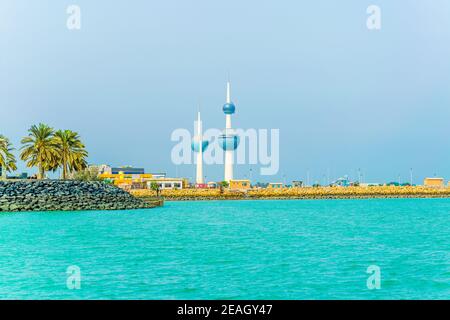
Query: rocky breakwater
<point x="53" y="195"/>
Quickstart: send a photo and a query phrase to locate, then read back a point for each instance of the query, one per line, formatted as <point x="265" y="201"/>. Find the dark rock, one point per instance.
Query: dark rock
<point x="56" y="195"/>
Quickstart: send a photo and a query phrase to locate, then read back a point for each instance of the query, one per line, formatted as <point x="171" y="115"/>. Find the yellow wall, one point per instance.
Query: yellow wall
<point x="275" y="186"/>
<point x="433" y="182"/>
<point x="240" y="184"/>
<point x="121" y="179"/>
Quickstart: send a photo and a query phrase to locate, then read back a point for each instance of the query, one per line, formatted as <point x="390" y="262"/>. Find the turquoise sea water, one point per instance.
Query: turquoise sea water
<point x="310" y="249"/>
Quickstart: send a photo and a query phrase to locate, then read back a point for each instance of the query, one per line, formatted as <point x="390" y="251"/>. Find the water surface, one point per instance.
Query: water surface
<point x="299" y="249"/>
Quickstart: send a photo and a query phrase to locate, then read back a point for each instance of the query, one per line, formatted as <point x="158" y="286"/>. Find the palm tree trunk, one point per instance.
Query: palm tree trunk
<point x="41" y="172"/>
<point x="3" y="176"/>
<point x="64" y="169"/>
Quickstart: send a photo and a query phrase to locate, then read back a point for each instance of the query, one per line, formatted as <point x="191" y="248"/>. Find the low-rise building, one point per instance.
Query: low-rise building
<point x="168" y="183"/>
<point x="121" y="177"/>
<point x="341" y="182"/>
<point x="127" y="170"/>
<point x="434" y="182"/>
<point x="135" y="178"/>
<point x="240" y="184"/>
<point x="213" y="185"/>
<point x="275" y="185"/>
<point x="159" y="175"/>
<point x="297" y="184"/>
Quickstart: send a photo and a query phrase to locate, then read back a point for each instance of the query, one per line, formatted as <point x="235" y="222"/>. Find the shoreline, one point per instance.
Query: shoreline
<point x="175" y="199"/>
<point x="321" y="193"/>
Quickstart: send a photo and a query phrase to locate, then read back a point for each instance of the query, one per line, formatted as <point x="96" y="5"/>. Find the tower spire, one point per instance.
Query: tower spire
<point x="199" y="125"/>
<point x="199" y="146"/>
<point x="229" y="140"/>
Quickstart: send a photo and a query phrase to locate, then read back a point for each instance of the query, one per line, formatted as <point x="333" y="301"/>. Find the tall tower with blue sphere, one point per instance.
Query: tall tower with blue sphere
<point x="199" y="146"/>
<point x="229" y="140"/>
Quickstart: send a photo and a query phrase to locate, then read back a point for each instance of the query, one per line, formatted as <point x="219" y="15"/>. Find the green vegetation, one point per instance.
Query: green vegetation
<point x="223" y="185"/>
<point x="87" y="174"/>
<point x="39" y="149"/>
<point x="7" y="159"/>
<point x="49" y="150"/>
<point x="71" y="152"/>
<point x="155" y="187"/>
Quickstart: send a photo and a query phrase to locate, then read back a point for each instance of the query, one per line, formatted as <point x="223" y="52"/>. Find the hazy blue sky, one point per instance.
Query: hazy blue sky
<point x="342" y="96"/>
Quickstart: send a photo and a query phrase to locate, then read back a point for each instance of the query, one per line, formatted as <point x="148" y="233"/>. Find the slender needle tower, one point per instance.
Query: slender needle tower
<point x="229" y="141"/>
<point x="199" y="146"/>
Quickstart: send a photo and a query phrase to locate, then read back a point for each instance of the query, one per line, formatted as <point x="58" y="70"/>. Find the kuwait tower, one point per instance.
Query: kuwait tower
<point x="199" y="145"/>
<point x="228" y="141"/>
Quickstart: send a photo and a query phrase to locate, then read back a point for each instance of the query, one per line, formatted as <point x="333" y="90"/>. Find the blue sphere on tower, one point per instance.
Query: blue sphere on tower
<point x="229" y="141"/>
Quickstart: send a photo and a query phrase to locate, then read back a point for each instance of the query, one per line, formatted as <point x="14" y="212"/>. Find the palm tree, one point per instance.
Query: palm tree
<point x="223" y="185"/>
<point x="7" y="159"/>
<point x="39" y="149"/>
<point x="155" y="187"/>
<point x="71" y="152"/>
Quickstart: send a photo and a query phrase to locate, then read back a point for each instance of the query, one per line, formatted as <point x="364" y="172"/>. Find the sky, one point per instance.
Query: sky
<point x="343" y="96"/>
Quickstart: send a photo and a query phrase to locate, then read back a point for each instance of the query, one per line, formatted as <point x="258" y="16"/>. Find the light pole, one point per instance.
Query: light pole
<point x="411" y="176"/>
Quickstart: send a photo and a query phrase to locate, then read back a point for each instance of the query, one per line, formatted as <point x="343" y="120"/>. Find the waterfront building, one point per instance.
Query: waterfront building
<point x="107" y="169"/>
<point x="261" y="185"/>
<point x="297" y="184"/>
<point x="240" y="184"/>
<point x="199" y="146"/>
<point x="160" y="175"/>
<point x="341" y="182"/>
<point x="169" y="183"/>
<point x="127" y="170"/>
<point x="122" y="177"/>
<point x="434" y="182"/>
<point x="275" y="185"/>
<point x="19" y="176"/>
<point x="4" y="176"/>
<point x="213" y="185"/>
<point x="136" y="178"/>
<point x="228" y="141"/>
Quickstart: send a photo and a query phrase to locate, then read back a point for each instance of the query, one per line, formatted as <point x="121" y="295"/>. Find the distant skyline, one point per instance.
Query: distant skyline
<point x="343" y="97"/>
